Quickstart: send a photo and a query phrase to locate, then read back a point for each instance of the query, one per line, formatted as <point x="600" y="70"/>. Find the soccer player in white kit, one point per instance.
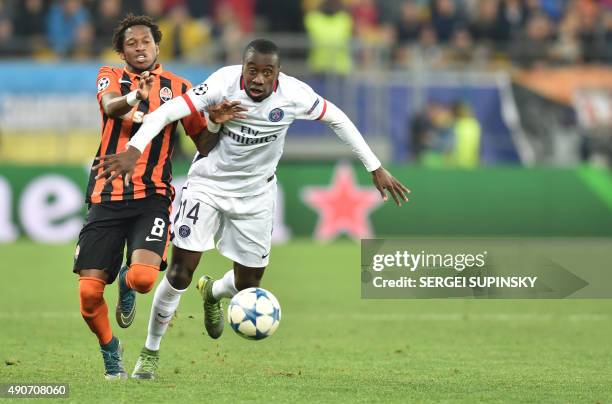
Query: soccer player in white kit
<point x="230" y="193"/>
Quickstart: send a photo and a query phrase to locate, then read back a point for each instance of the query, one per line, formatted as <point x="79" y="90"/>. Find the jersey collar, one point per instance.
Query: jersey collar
<point x="157" y="70"/>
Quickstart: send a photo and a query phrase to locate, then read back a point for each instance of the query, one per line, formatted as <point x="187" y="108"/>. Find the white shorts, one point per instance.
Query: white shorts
<point x="241" y="227"/>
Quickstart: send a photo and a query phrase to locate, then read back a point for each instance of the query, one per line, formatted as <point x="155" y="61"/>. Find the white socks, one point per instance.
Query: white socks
<point x="167" y="299"/>
<point x="165" y="302"/>
<point x="224" y="287"/>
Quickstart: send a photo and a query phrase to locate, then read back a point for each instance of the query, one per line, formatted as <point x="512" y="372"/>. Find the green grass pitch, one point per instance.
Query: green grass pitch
<point x="331" y="346"/>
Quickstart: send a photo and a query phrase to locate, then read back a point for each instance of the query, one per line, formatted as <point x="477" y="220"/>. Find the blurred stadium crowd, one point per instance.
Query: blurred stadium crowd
<point x="439" y="33"/>
<point x="438" y="82"/>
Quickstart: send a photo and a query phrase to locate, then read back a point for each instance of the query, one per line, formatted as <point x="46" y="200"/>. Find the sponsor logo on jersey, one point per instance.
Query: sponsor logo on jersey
<point x="165" y="94"/>
<point x="200" y="89"/>
<point x="184" y="231"/>
<point x="249" y="140"/>
<point x="276" y="115"/>
<point x="103" y="83"/>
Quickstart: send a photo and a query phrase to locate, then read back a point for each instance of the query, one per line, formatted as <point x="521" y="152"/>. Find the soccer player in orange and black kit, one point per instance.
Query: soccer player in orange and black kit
<point x="135" y="212"/>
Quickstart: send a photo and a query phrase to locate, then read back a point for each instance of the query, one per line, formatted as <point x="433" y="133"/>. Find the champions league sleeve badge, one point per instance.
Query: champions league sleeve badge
<point x="103" y="83"/>
<point x="200" y="89"/>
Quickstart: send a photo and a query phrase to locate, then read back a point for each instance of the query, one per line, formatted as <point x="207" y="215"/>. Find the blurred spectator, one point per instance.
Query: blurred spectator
<point x="409" y="24"/>
<point x="281" y="15"/>
<point x="108" y="15"/>
<point x="444" y="18"/>
<point x="421" y="132"/>
<point x="201" y="9"/>
<point x="466" y="130"/>
<point x="567" y="49"/>
<point x="433" y="138"/>
<point x="532" y="48"/>
<point x="229" y="31"/>
<point x="513" y="16"/>
<point x="590" y="29"/>
<point x="63" y="22"/>
<point x="427" y="50"/>
<point x="6" y="30"/>
<point x="371" y="33"/>
<point x="607" y="36"/>
<point x="407" y="30"/>
<point x="133" y="6"/>
<point x="488" y="24"/>
<point x="30" y="25"/>
<point x="153" y="8"/>
<point x="242" y="11"/>
<point x="365" y="16"/>
<point x="462" y="49"/>
<point x="330" y="29"/>
<point x="184" y="36"/>
<point x="554" y="9"/>
<point x="84" y="43"/>
<point x="525" y="32"/>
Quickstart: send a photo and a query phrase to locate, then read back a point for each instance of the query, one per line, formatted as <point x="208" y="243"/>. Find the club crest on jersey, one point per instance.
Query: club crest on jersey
<point x="276" y="115"/>
<point x="165" y="94"/>
<point x="184" y="231"/>
<point x="200" y="89"/>
<point x="103" y="83"/>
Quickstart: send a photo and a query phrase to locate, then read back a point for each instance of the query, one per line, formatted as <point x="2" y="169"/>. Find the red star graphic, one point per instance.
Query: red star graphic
<point x="343" y="207"/>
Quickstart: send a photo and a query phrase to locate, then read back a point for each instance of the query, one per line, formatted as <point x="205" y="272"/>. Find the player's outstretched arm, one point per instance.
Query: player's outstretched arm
<point x="123" y="163"/>
<point x="115" y="105"/>
<point x="349" y="134"/>
<point x="217" y="115"/>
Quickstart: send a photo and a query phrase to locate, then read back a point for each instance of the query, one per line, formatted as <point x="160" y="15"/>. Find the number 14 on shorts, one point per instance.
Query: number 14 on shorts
<point x="191" y="214"/>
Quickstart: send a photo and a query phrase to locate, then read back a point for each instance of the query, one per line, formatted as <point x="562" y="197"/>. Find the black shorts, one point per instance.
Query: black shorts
<point x="140" y="223"/>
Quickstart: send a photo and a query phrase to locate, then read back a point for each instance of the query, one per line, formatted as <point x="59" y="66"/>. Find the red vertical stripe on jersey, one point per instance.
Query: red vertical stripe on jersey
<point x="189" y="103"/>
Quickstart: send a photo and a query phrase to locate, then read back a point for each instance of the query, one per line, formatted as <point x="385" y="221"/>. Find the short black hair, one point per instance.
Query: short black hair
<point x="262" y="45"/>
<point x="129" y="21"/>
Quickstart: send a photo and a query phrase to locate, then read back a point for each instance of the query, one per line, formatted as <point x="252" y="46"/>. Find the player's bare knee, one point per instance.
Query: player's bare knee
<point x="180" y="276"/>
<point x="146" y="257"/>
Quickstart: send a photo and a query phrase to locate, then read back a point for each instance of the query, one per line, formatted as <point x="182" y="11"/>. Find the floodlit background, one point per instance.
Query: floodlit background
<point x="497" y="114"/>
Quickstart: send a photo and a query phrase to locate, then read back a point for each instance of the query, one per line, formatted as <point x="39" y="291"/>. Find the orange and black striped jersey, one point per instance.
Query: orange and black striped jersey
<point x="153" y="172"/>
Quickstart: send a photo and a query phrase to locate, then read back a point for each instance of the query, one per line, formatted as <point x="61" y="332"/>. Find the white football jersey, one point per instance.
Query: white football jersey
<point x="249" y="149"/>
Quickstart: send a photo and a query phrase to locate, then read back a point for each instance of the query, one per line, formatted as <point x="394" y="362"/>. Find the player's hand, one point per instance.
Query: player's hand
<point x="225" y="111"/>
<point x="144" y="86"/>
<point x="118" y="164"/>
<point x="384" y="181"/>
